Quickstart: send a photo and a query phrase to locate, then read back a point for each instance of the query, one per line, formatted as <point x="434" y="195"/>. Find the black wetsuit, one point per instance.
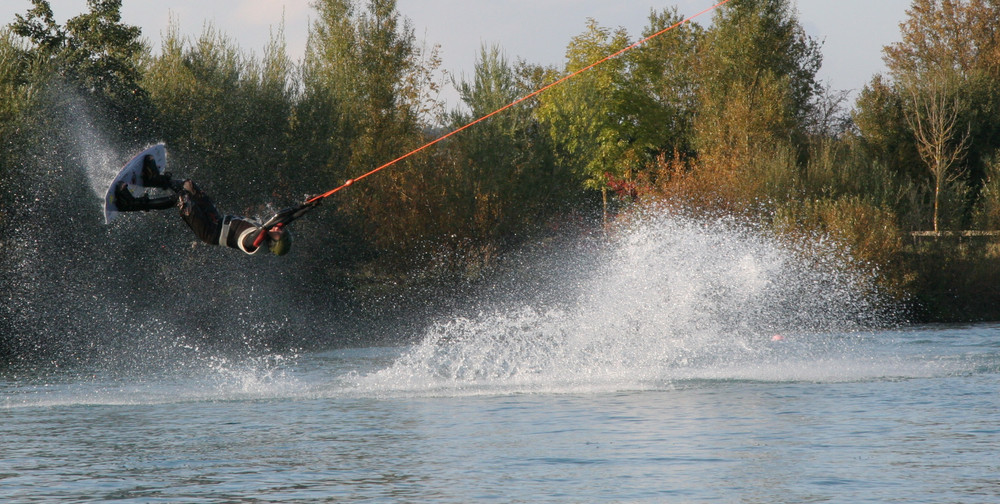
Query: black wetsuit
<point x="200" y="214"/>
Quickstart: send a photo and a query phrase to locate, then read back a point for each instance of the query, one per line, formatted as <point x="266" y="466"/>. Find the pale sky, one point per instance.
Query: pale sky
<point x="853" y="32"/>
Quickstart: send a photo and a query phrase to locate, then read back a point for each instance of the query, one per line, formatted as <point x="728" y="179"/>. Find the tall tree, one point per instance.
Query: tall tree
<point x="223" y="110"/>
<point x="942" y="140"/>
<point x="661" y="97"/>
<point x="756" y="80"/>
<point x="362" y="59"/>
<point x="882" y="127"/>
<point x="17" y="96"/>
<point x="97" y="53"/>
<point x="955" y="42"/>
<point x="584" y="115"/>
<point x="322" y="128"/>
<point x="957" y="34"/>
<point x="361" y="67"/>
<point x="505" y="180"/>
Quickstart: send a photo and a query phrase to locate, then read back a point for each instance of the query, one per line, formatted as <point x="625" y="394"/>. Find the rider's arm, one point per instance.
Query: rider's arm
<point x="240" y="234"/>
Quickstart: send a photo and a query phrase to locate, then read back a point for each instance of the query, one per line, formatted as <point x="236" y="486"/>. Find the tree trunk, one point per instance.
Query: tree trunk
<point x="604" y="197"/>
<point x="937" y="198"/>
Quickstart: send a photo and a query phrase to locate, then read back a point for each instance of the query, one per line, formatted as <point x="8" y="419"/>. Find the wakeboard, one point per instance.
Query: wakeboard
<point x="131" y="173"/>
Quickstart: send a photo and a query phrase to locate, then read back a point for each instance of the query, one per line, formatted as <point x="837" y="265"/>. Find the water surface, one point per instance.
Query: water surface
<point x="910" y="415"/>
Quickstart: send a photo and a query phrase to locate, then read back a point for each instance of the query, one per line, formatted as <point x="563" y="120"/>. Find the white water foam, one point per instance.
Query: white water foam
<point x="674" y="299"/>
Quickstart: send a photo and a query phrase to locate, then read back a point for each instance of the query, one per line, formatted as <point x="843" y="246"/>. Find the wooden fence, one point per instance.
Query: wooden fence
<point x="918" y="236"/>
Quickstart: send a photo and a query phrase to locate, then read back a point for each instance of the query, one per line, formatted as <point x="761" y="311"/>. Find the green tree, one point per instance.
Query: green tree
<point x="16" y="88"/>
<point x="660" y="98"/>
<point x="95" y="52"/>
<point x="17" y="95"/>
<point x="363" y="59"/>
<point x="360" y="72"/>
<point x="882" y="129"/>
<point x="322" y="129"/>
<point x="505" y="180"/>
<point x="271" y="91"/>
<point x="583" y="115"/>
<point x="987" y="211"/>
<point x="223" y="110"/>
<point x="756" y="81"/>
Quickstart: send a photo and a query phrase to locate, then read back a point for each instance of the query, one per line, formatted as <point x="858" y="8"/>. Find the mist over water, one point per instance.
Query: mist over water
<point x="655" y="303"/>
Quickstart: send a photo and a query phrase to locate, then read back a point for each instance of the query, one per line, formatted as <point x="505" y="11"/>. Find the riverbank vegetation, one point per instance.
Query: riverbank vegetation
<point x="721" y="117"/>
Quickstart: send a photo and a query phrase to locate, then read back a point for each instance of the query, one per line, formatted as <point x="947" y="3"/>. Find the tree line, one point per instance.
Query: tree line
<point x="724" y="117"/>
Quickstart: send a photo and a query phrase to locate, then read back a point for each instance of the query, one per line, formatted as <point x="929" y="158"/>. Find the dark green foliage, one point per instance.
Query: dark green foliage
<point x="225" y="116"/>
<point x="504" y="180"/>
<point x="96" y="53"/>
<point x="756" y="80"/>
<point x="16" y="96"/>
<point x="660" y="99"/>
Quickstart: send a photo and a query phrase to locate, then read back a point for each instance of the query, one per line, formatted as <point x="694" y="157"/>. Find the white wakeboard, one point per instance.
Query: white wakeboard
<point x="131" y="173"/>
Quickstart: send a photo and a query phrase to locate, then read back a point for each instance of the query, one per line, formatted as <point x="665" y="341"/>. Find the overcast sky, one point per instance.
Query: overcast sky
<point x="853" y="32"/>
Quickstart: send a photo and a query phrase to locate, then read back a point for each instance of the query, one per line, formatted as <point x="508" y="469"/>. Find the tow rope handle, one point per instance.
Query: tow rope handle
<point x="287" y="215"/>
<point x="283" y="218"/>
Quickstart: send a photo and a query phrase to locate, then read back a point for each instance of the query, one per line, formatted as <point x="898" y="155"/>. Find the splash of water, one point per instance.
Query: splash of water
<point x="668" y="299"/>
<point x="99" y="160"/>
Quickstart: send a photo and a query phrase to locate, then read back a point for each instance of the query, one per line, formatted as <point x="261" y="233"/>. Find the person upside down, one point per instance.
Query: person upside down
<point x="200" y="214"/>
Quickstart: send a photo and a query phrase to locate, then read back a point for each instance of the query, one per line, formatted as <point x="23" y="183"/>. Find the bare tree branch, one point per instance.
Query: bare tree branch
<point x="933" y="116"/>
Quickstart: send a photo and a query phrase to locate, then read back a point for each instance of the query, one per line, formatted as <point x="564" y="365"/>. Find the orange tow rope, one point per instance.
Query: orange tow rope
<point x="316" y="199"/>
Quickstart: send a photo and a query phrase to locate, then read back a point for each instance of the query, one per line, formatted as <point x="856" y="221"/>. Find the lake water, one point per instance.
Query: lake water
<point x="908" y="415"/>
